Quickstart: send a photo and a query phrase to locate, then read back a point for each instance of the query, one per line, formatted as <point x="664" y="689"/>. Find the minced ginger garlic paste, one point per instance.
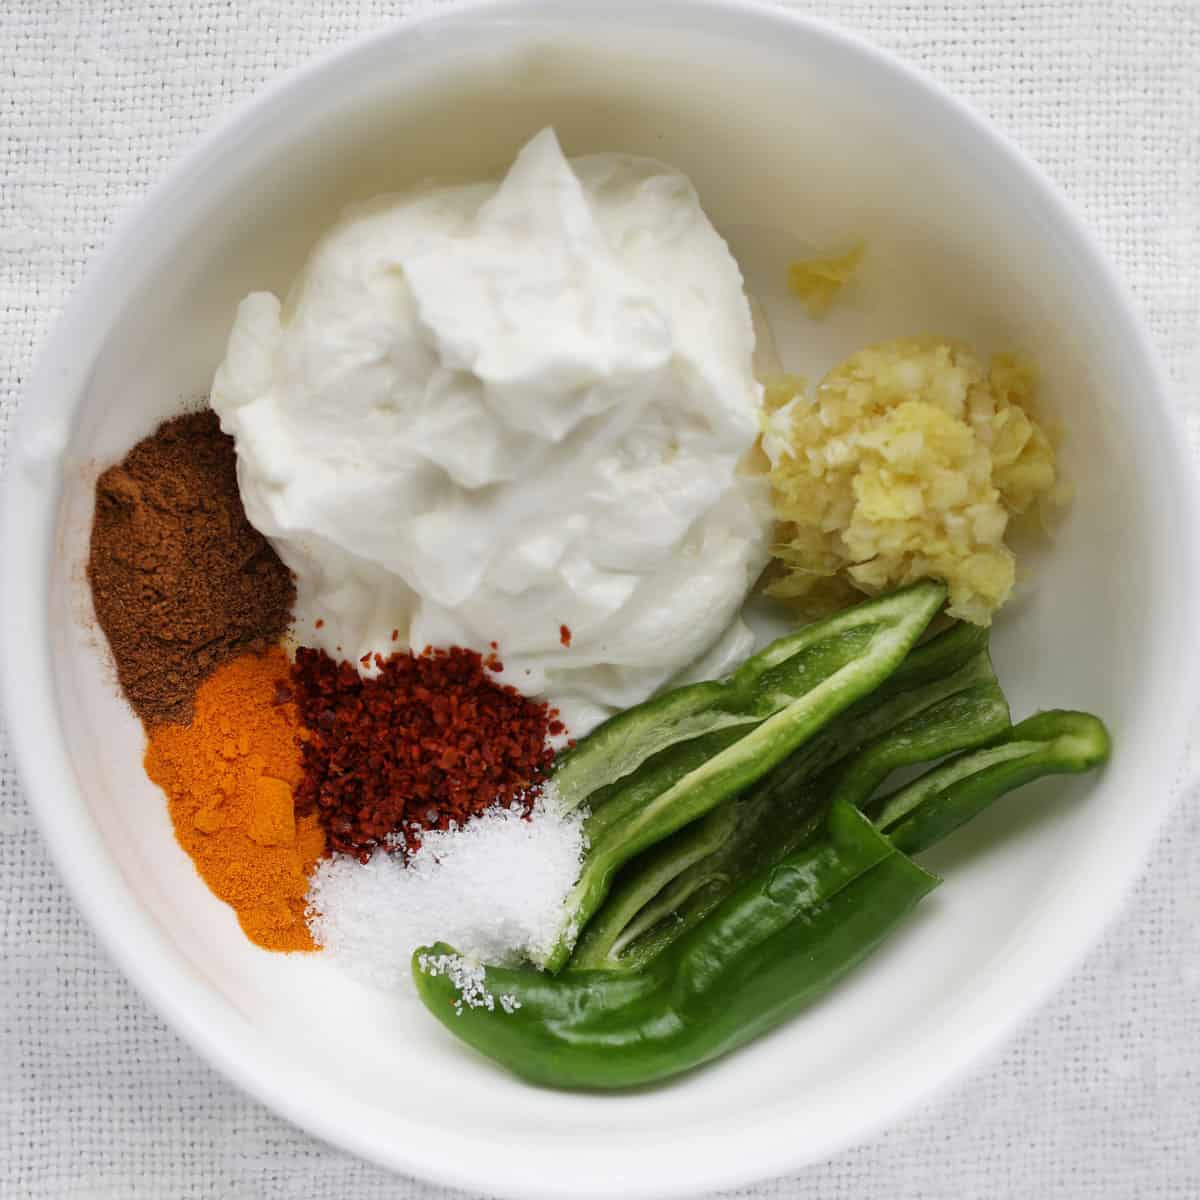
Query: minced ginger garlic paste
<point x="817" y="281"/>
<point x="908" y="463"/>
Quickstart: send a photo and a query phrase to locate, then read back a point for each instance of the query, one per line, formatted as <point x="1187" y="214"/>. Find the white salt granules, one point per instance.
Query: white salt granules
<point x="493" y="889"/>
<point x="471" y="981"/>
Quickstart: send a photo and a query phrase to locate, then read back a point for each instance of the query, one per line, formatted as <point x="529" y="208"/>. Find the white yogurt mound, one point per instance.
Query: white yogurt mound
<point x="493" y="889"/>
<point x="488" y="411"/>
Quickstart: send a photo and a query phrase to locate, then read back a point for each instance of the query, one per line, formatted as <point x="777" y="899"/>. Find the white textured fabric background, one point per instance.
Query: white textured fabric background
<point x="1100" y="1094"/>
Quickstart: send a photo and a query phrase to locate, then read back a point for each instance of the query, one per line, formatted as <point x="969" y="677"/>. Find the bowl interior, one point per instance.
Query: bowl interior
<point x="797" y="139"/>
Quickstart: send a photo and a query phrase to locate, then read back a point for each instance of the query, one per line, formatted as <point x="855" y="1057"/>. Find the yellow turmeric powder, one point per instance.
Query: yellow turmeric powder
<point x="228" y="777"/>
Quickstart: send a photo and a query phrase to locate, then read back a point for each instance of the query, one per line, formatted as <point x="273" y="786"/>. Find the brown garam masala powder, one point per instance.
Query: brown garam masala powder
<point x="181" y="581"/>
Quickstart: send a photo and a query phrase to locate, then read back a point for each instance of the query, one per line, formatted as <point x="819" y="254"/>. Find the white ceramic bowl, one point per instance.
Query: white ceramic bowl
<point x="796" y="135"/>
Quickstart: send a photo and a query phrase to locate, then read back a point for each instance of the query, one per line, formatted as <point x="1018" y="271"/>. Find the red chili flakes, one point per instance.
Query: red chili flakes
<point x="428" y="740"/>
<point x="564" y="634"/>
<point x="319" y="623"/>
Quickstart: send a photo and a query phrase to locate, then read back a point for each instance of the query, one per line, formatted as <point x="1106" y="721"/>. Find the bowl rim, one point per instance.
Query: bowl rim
<point x="142" y="950"/>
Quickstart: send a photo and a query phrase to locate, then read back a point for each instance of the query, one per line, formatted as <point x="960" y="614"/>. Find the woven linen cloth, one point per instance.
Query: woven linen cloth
<point x="1098" y="1096"/>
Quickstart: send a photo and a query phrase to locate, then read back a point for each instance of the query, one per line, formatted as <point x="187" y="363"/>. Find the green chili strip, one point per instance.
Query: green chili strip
<point x="1059" y="742"/>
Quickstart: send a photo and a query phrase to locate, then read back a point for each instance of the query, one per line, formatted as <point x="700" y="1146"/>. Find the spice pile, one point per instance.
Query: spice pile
<point x="181" y="581"/>
<point x="229" y="777"/>
<point x="270" y="766"/>
<point x="427" y="741"/>
<point x="494" y="888"/>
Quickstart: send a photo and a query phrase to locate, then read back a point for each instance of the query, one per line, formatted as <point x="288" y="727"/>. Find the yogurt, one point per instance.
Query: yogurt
<point x="512" y="412"/>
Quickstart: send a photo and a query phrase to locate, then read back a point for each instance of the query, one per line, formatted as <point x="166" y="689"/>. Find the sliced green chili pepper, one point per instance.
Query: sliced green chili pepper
<point x="789" y="693"/>
<point x="783" y="939"/>
<point x="776" y="943"/>
<point x="758" y="689"/>
<point x="1058" y="742"/>
<point x="672" y="887"/>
